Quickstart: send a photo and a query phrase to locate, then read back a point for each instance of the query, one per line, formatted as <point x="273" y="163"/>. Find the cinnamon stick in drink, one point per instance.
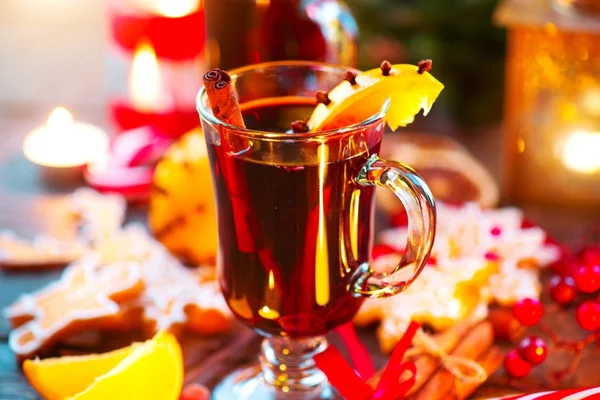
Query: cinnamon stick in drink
<point x="224" y="103"/>
<point x="223" y="97"/>
<point x="472" y="346"/>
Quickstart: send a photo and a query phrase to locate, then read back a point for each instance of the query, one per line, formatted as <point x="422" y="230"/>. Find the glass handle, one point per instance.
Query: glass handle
<point x="420" y="207"/>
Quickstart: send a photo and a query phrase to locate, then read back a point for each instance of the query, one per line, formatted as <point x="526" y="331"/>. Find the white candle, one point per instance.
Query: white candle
<point x="62" y="143"/>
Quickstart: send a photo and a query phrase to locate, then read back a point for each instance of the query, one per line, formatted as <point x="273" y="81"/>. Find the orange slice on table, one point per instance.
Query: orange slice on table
<point x="409" y="88"/>
<point x="48" y="376"/>
<point x="149" y="370"/>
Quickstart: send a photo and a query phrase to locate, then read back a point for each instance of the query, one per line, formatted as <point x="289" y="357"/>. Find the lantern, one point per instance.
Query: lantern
<point x="552" y="101"/>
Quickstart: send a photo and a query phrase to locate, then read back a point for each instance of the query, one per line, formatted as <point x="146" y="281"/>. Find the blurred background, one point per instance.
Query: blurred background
<point x="59" y="51"/>
<point x="129" y="64"/>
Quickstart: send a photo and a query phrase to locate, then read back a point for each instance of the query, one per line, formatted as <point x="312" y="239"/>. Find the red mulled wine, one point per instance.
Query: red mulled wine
<point x="292" y="230"/>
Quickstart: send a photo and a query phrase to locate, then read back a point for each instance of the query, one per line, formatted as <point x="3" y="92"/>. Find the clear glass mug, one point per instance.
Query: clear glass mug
<point x="295" y="221"/>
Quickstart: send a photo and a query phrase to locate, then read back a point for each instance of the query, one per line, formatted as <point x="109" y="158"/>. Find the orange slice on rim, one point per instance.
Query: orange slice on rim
<point x="410" y="89"/>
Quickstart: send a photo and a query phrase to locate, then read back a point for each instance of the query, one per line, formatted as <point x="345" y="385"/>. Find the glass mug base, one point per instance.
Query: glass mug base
<point x="250" y="384"/>
<point x="286" y="371"/>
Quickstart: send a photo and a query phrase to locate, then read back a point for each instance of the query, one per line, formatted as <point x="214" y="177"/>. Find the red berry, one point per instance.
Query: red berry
<point x="194" y="392"/>
<point x="432" y="260"/>
<point x="528" y="311"/>
<point x="382" y="250"/>
<point x="562" y="289"/>
<point x="496" y="231"/>
<point x="492" y="256"/>
<point x="566" y="265"/>
<point x="588" y="315"/>
<point x="591" y="256"/>
<point x="533" y="350"/>
<point x="587" y="278"/>
<point x="515" y="366"/>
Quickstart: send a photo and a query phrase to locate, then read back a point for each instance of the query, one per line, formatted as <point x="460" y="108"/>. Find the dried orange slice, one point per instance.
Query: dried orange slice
<point x="410" y="89"/>
<point x="149" y="370"/>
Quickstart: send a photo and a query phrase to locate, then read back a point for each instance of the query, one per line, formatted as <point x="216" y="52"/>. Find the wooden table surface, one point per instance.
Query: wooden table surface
<point x="26" y="205"/>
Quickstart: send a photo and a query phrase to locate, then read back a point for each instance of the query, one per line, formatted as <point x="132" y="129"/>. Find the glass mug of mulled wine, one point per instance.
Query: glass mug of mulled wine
<point x="295" y="221"/>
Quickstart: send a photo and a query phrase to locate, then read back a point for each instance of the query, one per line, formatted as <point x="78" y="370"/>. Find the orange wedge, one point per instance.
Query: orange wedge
<point x="408" y="91"/>
<point x="48" y="376"/>
<point x="153" y="371"/>
<point x="149" y="370"/>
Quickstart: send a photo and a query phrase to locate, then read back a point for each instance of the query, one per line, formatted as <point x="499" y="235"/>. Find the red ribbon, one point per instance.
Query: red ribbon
<point x="358" y="353"/>
<point x="342" y="376"/>
<point x="388" y="385"/>
<point x="350" y="384"/>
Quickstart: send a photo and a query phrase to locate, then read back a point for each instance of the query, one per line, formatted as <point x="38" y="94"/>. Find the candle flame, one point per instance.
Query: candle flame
<point x="271" y="280"/>
<point x="176" y="8"/>
<point x="60" y="120"/>
<point x="169" y="8"/>
<point x="581" y="152"/>
<point x="145" y="84"/>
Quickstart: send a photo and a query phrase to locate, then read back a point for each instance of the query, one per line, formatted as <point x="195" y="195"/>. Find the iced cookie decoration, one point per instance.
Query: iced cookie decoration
<point x="99" y="214"/>
<point x="86" y="296"/>
<point x="40" y="253"/>
<point x="479" y="257"/>
<point x="176" y="299"/>
<point x="97" y="218"/>
<point x="182" y="212"/>
<point x="409" y="89"/>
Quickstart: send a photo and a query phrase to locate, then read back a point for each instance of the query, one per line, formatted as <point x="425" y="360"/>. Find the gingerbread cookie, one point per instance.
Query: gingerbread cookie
<point x="99" y="214"/>
<point x="177" y="298"/>
<point x="87" y="296"/>
<point x="479" y="257"/>
<point x="99" y="217"/>
<point x="42" y="252"/>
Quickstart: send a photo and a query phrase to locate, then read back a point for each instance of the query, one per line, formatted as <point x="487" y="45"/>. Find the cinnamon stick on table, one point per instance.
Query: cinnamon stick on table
<point x="506" y="326"/>
<point x="472" y="346"/>
<point x="427" y="364"/>
<point x="490" y="361"/>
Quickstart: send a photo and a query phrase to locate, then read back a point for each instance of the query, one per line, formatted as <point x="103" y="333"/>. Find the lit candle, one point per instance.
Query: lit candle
<point x="581" y="152"/>
<point x="150" y="103"/>
<point x="62" y="147"/>
<point x="146" y="88"/>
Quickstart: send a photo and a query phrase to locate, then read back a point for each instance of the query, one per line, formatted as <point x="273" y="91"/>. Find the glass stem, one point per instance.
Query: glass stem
<point x="288" y="364"/>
